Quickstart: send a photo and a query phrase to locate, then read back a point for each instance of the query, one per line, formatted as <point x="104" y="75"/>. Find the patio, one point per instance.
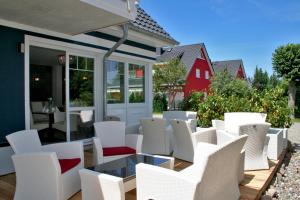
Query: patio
<point x="252" y="187"/>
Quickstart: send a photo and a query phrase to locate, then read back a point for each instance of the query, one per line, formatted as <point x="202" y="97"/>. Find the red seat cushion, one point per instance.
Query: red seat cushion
<point x="113" y="151"/>
<point x="67" y="164"/>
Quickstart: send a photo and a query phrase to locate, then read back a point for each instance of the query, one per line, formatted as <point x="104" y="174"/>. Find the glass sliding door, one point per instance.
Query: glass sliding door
<point x="81" y="97"/>
<point x="126" y="89"/>
<point x="47" y="93"/>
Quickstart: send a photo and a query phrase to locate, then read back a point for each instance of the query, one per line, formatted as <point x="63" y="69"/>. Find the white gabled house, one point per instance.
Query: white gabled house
<point x="82" y="59"/>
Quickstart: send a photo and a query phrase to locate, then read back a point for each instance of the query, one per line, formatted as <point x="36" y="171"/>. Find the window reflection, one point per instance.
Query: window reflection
<point x="81" y="124"/>
<point x="136" y="83"/>
<point x="115" y="82"/>
<point x="81" y="81"/>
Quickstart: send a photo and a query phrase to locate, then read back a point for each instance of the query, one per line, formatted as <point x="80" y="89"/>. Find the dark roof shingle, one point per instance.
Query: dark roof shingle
<point x="146" y="24"/>
<point x="232" y="66"/>
<point x="187" y="54"/>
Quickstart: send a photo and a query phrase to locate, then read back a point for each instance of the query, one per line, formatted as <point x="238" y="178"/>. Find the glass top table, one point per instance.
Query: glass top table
<point x="125" y="167"/>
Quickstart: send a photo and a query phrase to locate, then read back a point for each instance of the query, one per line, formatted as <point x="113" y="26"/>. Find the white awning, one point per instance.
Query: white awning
<point x="68" y="16"/>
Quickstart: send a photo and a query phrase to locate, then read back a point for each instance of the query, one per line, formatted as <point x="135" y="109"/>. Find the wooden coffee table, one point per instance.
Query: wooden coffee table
<point x="125" y="167"/>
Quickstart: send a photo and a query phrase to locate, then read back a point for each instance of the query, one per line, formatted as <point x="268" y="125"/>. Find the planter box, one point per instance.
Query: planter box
<point x="276" y="143"/>
<point x="285" y="138"/>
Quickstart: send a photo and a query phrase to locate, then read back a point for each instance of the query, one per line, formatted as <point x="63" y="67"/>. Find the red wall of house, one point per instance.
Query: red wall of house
<point x="240" y="73"/>
<point x="198" y="84"/>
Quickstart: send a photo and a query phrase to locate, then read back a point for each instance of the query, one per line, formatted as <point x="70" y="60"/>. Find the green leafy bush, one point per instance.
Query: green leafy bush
<point x="160" y="103"/>
<point x="237" y="96"/>
<point x="192" y="101"/>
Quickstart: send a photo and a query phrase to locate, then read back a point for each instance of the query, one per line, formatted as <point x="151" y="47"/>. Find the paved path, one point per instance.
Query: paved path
<point x="294" y="133"/>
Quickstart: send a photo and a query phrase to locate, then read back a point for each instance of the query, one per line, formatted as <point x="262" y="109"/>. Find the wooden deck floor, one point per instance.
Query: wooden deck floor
<point x="252" y="187"/>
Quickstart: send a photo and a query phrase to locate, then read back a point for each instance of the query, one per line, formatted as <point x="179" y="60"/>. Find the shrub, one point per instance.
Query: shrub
<point x="160" y="103"/>
<point x="192" y="101"/>
<point x="236" y="96"/>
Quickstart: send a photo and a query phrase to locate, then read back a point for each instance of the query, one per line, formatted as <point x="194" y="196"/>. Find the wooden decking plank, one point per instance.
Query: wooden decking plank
<point x="256" y="182"/>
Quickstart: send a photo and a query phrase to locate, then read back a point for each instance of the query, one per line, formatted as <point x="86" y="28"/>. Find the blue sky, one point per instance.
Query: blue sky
<point x="231" y="29"/>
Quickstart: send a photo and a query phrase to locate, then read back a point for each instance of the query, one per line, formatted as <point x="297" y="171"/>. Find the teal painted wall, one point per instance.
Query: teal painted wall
<point x="12" y="117"/>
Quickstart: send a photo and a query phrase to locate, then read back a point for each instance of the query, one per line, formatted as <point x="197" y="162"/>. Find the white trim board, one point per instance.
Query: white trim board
<point x="79" y="38"/>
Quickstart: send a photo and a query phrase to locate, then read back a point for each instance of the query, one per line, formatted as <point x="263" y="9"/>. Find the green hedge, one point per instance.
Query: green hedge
<point x="274" y="102"/>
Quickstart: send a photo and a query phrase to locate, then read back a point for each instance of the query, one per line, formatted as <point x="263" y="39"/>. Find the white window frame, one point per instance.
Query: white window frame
<point x="198" y="73"/>
<point x="206" y="74"/>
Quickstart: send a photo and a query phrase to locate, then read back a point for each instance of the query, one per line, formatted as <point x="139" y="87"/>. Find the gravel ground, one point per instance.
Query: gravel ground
<point x="286" y="184"/>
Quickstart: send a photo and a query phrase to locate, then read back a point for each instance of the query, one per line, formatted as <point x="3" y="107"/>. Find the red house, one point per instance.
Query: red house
<point x="197" y="62"/>
<point x="234" y="67"/>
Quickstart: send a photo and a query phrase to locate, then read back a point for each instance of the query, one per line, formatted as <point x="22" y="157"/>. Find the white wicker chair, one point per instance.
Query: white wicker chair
<point x="218" y="124"/>
<point x="212" y="136"/>
<point x="112" y="143"/>
<point x="189" y="116"/>
<point x="256" y="147"/>
<point x="96" y="186"/>
<point x="184" y="140"/>
<point x="39" y="169"/>
<point x="212" y="176"/>
<point x="233" y="120"/>
<point x="156" y="138"/>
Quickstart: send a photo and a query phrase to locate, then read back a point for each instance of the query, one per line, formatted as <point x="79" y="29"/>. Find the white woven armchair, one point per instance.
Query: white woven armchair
<point x="189" y="116"/>
<point x="156" y="136"/>
<point x="112" y="143"/>
<point x="233" y="120"/>
<point x="96" y="186"/>
<point x="48" y="172"/>
<point x="221" y="138"/>
<point x="184" y="140"/>
<point x="212" y="176"/>
<point x="218" y="124"/>
<point x="256" y="147"/>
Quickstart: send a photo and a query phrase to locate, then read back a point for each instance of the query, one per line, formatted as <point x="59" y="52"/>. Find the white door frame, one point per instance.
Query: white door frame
<point x="69" y="109"/>
<point x="67" y="48"/>
<point x="148" y="87"/>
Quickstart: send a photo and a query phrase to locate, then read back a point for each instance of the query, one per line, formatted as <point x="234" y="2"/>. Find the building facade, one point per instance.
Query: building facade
<point x="60" y="82"/>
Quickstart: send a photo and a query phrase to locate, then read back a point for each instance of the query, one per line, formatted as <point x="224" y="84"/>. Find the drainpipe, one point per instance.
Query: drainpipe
<point x="106" y="55"/>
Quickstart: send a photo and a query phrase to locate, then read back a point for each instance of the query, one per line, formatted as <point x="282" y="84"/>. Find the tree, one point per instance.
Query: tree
<point x="224" y="84"/>
<point x="260" y="79"/>
<point x="286" y="62"/>
<point x="169" y="78"/>
<point x="273" y="81"/>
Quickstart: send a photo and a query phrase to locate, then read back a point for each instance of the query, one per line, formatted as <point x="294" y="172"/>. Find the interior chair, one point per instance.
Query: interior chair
<point x="48" y="172"/>
<point x="38" y="125"/>
<point x="60" y="122"/>
<point x="112" y="143"/>
<point x="156" y="136"/>
<point x="37" y="106"/>
<point x="212" y="175"/>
